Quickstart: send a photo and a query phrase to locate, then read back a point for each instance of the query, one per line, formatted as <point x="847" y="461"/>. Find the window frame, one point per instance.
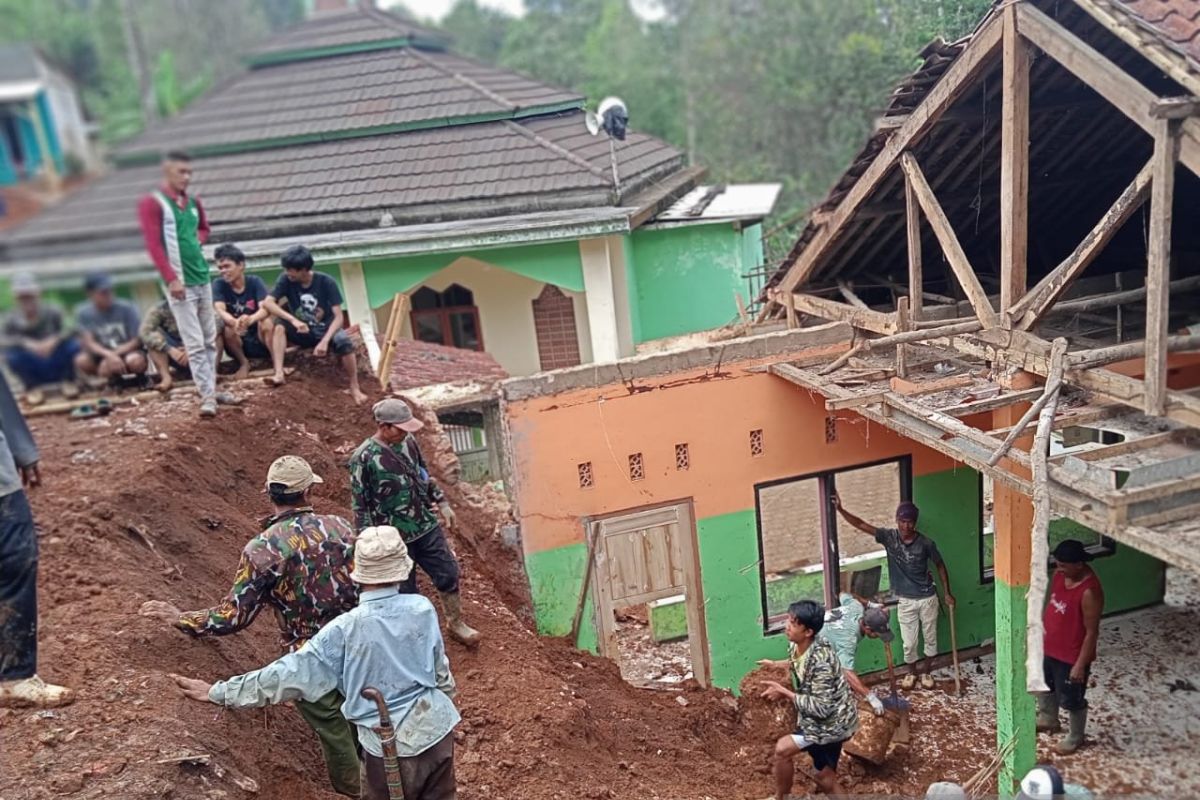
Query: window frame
<point x="826" y="485"/>
<point x="444" y="315"/>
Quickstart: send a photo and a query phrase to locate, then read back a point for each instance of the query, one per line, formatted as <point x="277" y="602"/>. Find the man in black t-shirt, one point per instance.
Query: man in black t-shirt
<point x="310" y="306"/>
<point x="249" y="330"/>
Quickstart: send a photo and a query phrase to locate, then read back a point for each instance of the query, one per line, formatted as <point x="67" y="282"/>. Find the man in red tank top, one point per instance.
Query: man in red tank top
<point x="1072" y="627"/>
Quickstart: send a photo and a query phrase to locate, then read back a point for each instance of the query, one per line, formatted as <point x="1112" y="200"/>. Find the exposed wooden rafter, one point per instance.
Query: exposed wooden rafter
<point x="957" y="259"/>
<point x="1014" y="164"/>
<point x="1158" y="275"/>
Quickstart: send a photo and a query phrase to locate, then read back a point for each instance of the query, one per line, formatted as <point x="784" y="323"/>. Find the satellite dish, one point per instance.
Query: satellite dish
<point x="593" y="122"/>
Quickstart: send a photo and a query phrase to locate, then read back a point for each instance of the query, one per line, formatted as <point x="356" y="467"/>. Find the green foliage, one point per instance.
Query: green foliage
<point x="478" y="31"/>
<point x="188" y="44"/>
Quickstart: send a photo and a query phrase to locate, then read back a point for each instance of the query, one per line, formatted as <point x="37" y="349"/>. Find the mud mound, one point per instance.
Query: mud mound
<point x="152" y="503"/>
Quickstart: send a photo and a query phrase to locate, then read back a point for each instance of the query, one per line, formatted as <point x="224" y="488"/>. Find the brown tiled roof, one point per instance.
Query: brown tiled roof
<point x="337" y="30"/>
<point x="1175" y="21"/>
<point x="419" y="172"/>
<point x="381" y="90"/>
<point x="423" y="364"/>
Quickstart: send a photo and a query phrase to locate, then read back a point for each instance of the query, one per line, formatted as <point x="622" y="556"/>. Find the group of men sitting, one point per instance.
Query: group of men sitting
<point x="111" y="341"/>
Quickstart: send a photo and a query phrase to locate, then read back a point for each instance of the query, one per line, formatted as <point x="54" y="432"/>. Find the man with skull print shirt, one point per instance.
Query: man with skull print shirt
<point x="309" y="304"/>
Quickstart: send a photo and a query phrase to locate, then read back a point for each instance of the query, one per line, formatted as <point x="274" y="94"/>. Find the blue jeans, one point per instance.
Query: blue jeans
<point x="18" y="588"/>
<point x="35" y="370"/>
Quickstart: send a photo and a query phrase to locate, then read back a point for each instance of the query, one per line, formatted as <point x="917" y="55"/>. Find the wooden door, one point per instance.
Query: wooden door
<point x="643" y="556"/>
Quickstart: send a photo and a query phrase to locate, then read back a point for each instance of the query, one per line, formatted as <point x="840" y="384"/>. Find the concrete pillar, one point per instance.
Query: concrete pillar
<point x="600" y="287"/>
<point x="1015" y="707"/>
<point x="493" y="431"/>
<point x="358" y="306"/>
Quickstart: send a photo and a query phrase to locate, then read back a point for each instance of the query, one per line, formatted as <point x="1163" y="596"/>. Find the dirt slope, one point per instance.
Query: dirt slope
<point x="155" y="504"/>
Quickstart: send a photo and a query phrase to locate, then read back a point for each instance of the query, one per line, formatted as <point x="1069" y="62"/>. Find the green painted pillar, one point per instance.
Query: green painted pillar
<point x="1015" y="707"/>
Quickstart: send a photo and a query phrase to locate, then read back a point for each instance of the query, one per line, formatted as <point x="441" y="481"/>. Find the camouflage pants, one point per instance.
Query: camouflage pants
<point x="338" y="741"/>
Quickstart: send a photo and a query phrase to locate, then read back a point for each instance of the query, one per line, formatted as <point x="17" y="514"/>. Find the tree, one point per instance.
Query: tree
<point x="477" y="31"/>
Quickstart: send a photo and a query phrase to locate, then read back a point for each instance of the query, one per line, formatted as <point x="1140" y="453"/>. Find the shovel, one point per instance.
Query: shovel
<point x="895" y="702"/>
<point x="387" y="738"/>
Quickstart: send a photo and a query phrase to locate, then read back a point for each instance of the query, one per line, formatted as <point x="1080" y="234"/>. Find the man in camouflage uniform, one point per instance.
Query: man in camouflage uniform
<point x="392" y="486"/>
<point x="164" y="344"/>
<point x="826" y="713"/>
<point x="299" y="566"/>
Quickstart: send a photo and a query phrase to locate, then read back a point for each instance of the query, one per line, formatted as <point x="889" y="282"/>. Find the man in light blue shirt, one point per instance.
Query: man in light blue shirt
<point x="391" y="642"/>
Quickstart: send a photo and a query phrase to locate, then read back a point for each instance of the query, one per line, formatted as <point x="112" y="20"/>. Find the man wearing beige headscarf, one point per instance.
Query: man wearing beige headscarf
<point x="397" y="648"/>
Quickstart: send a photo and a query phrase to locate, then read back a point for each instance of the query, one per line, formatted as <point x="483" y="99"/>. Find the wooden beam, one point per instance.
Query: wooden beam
<point x="832" y="310"/>
<point x="1123" y="352"/>
<point x="854" y="401"/>
<point x="1049" y="397"/>
<point x="991" y="403"/>
<point x="789" y="306"/>
<point x="1097" y="301"/>
<point x="1158" y="276"/>
<point x="847" y="291"/>
<point x="1176" y="107"/>
<point x="902" y="326"/>
<point x="949" y="241"/>
<point x="974" y="58"/>
<point x="1103" y="76"/>
<point x="1014" y="163"/>
<point x="916" y="275"/>
<point x="1049" y="289"/>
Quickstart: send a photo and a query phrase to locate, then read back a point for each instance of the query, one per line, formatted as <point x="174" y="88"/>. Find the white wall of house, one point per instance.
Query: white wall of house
<point x="504" y="300"/>
<point x="68" y="120"/>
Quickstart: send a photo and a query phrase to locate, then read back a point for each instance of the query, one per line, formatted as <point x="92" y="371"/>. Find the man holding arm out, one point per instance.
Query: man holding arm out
<point x="909" y="555"/>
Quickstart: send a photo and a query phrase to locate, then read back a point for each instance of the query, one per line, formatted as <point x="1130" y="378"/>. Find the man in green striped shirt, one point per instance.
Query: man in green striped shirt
<point x="174" y="226"/>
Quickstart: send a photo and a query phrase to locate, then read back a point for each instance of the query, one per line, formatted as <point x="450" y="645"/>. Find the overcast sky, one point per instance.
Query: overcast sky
<point x="436" y="9"/>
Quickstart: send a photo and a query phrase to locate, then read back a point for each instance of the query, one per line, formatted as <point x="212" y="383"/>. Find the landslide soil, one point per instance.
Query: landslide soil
<point x="153" y="503"/>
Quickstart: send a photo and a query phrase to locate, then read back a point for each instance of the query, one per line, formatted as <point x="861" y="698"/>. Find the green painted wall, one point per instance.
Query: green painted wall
<point x="557" y="263"/>
<point x="683" y="279"/>
<point x="729" y="555"/>
<point x="554" y="580"/>
<point x="1014" y="704"/>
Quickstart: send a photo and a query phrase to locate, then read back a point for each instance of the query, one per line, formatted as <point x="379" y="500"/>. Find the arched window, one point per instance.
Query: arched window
<point x="450" y="317"/>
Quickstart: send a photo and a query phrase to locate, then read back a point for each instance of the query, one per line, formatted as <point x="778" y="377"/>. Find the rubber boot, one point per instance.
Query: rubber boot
<point x="1047" y="713"/>
<point x="460" y="631"/>
<point x="1074" y="738"/>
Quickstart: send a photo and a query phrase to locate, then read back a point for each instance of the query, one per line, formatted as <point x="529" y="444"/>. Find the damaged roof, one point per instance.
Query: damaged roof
<point x="1080" y="140"/>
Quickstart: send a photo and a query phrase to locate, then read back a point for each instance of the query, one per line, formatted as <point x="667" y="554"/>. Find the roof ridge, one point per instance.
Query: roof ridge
<point x="559" y="150"/>
<point x="470" y="83"/>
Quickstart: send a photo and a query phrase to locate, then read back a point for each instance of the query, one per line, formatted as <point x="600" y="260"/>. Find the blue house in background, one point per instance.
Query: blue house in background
<point x="43" y="132"/>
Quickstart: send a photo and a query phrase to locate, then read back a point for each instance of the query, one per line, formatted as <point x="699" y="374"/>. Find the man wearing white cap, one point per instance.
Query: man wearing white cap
<point x="390" y="642"/>
<point x="390" y="485"/>
<point x="299" y="566"/>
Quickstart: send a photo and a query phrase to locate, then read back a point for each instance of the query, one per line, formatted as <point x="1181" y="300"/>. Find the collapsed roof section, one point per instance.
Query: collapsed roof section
<point x="1006" y="238"/>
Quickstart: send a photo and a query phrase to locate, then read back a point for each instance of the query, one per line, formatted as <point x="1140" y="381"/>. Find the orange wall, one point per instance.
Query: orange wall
<point x="552" y="435"/>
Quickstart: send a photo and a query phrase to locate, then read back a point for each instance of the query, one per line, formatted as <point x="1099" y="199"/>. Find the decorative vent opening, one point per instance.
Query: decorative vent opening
<point x="586" y="480"/>
<point x="830" y="429"/>
<point x="682" y="458"/>
<point x="636" y="470"/>
<point x="756" y="442"/>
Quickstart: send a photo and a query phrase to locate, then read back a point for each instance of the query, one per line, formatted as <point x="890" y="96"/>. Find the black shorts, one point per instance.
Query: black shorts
<point x="341" y="344"/>
<point x="824" y="755"/>
<point x="253" y="347"/>
<point x="1071" y="696"/>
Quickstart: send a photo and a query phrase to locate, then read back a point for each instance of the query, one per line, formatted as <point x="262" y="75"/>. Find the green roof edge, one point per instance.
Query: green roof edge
<point x="289" y="56"/>
<point x="150" y="156"/>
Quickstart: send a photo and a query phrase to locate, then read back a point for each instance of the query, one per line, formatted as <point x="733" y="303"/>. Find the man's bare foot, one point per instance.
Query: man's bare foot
<point x="243" y="372"/>
<point x="165" y="384"/>
<point x="274" y="381"/>
<point x="358" y="396"/>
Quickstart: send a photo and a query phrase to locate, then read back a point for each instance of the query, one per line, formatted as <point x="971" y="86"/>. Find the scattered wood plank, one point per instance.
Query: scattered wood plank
<point x="912" y="389"/>
<point x="991" y="403"/>
<point x="832" y="310"/>
<point x="1049" y="395"/>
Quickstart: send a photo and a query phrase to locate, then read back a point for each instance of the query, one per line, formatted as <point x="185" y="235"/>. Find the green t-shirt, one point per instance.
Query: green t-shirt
<point x="181" y="238"/>
<point x="844" y="631"/>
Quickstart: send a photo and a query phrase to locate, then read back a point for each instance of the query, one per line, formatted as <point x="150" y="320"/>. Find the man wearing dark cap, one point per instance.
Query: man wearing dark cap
<point x="391" y="485"/>
<point x="108" y="328"/>
<point x="1072" y="627"/>
<point x="909" y="556"/>
<point x="299" y="567"/>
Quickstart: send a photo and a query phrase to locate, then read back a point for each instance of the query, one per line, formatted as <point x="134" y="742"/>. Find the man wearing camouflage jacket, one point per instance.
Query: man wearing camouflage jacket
<point x="299" y="566"/>
<point x="391" y="486"/>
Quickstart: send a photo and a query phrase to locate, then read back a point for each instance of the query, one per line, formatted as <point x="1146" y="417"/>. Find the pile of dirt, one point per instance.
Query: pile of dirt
<point x="152" y="503"/>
